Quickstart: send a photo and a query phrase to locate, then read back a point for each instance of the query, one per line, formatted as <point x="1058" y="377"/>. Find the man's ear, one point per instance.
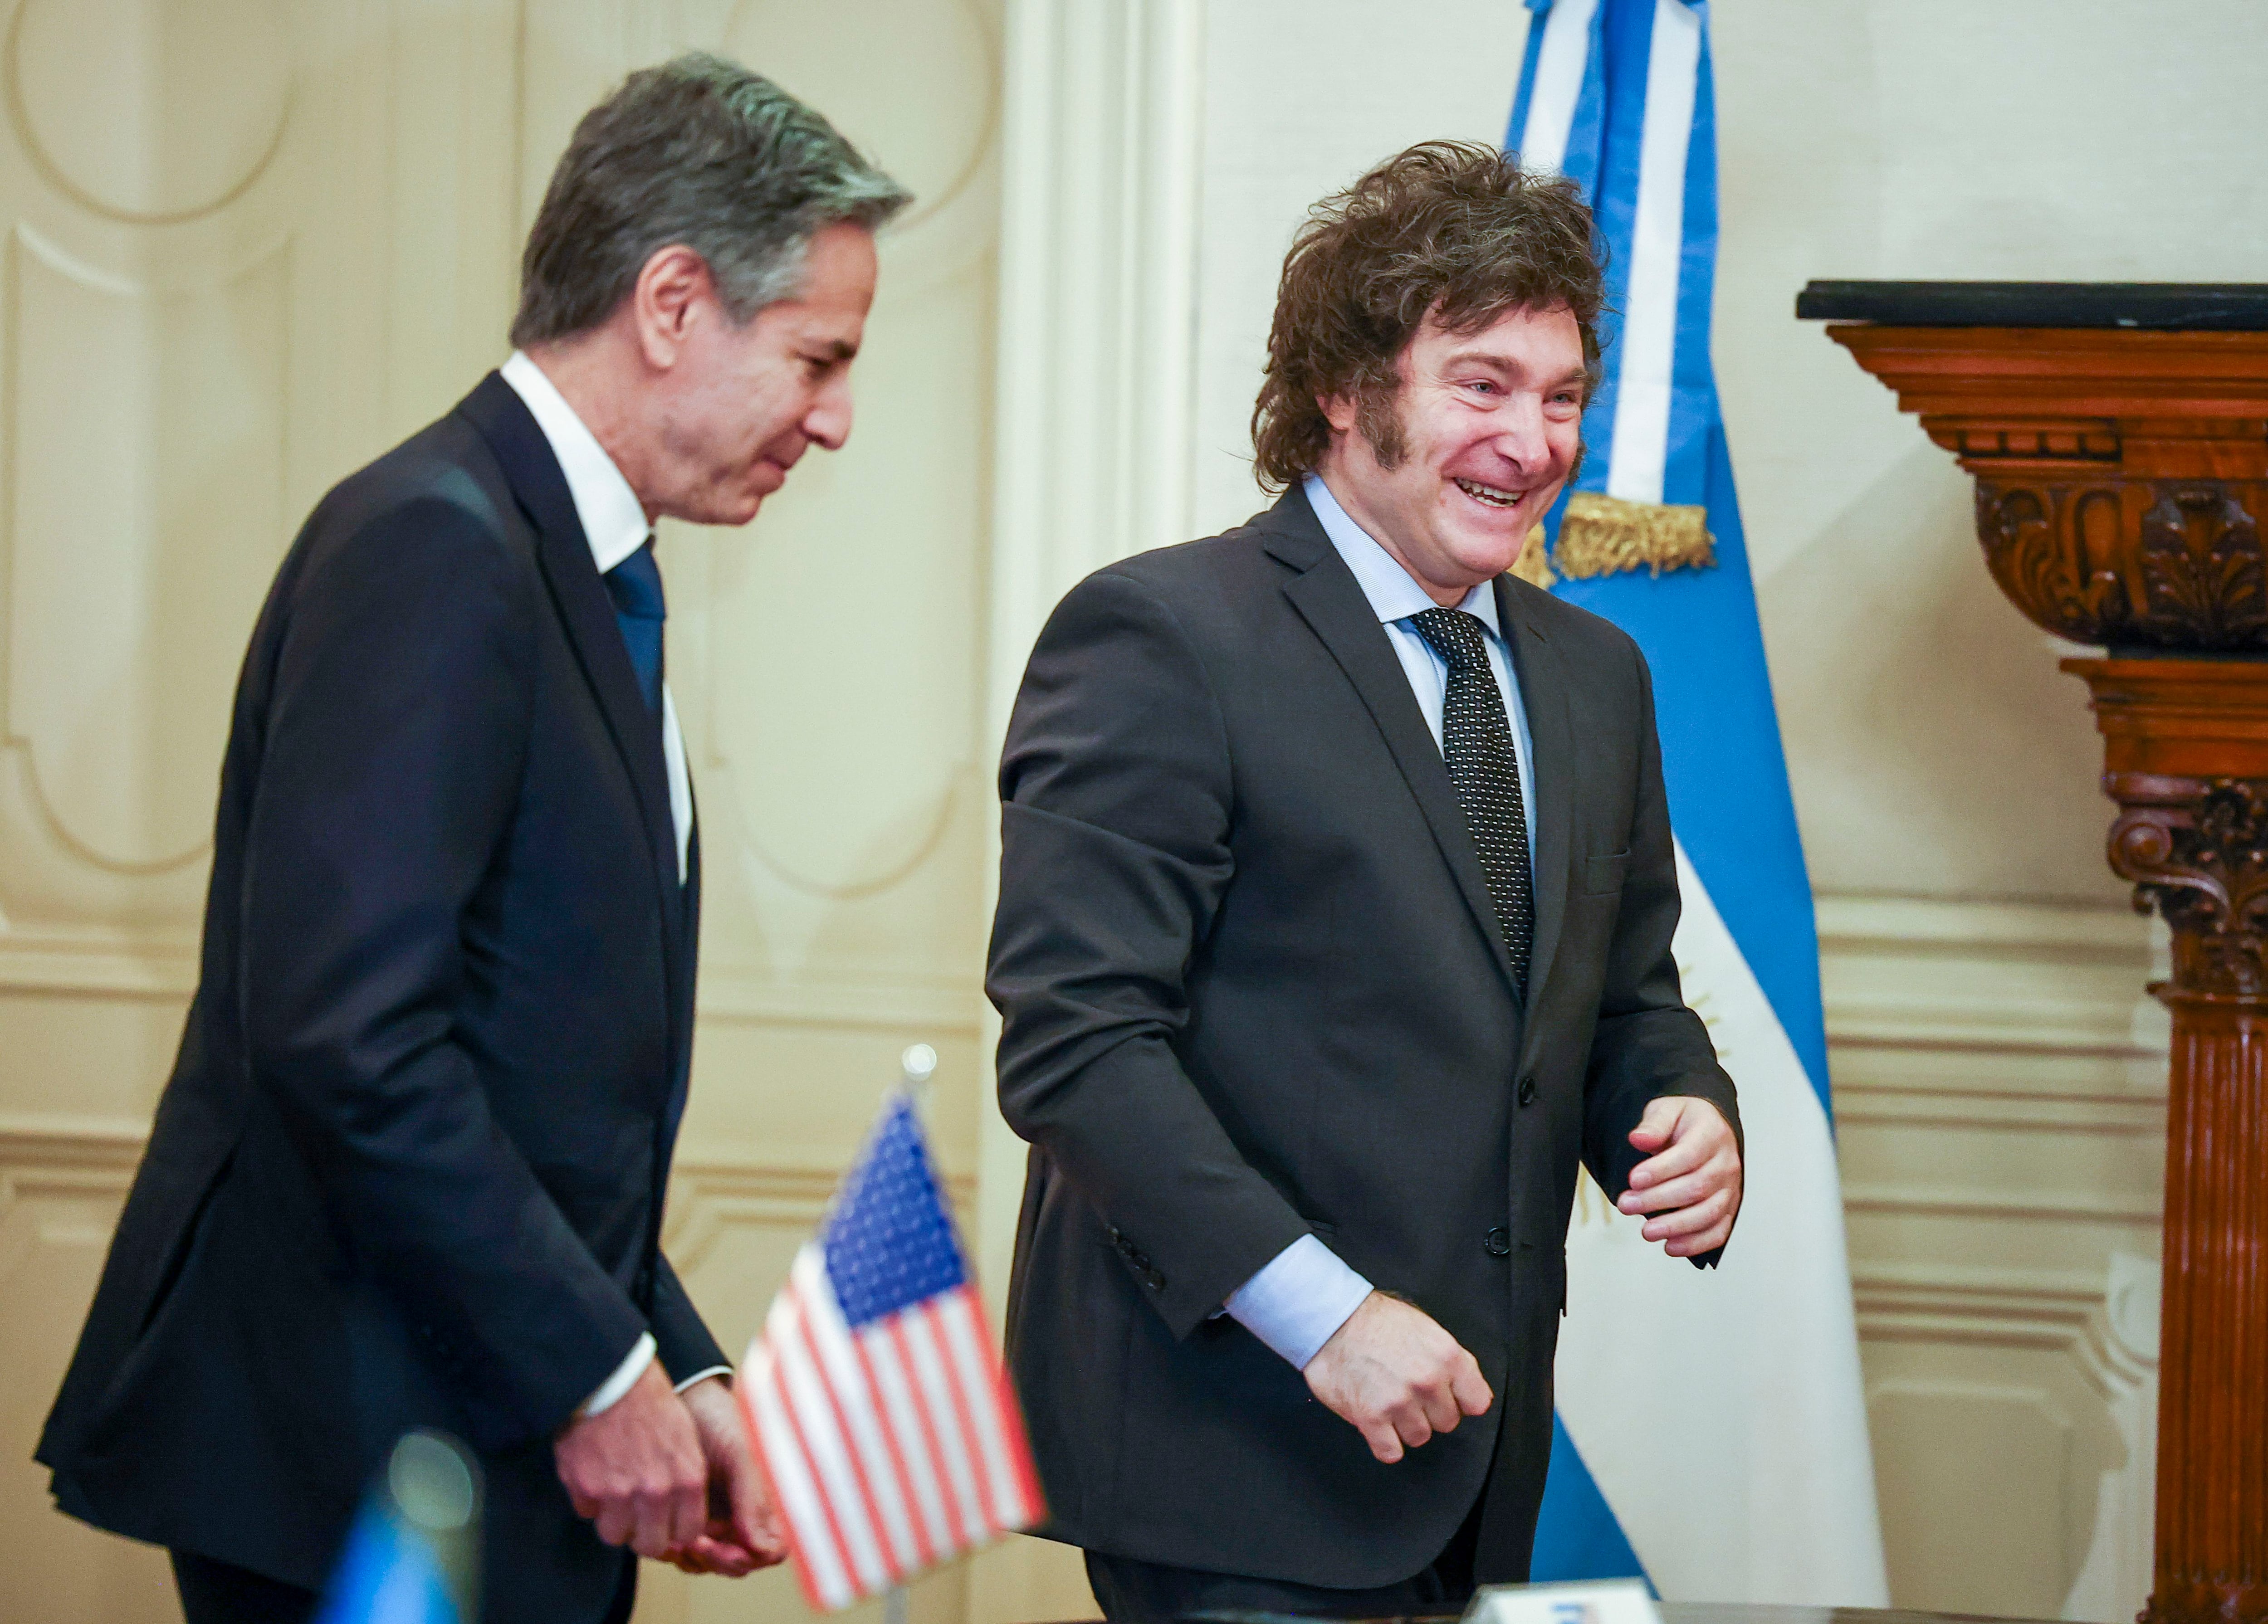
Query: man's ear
<point x="1339" y="411"/>
<point x="665" y="301"/>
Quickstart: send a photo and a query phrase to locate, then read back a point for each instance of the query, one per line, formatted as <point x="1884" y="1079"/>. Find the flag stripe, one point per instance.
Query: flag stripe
<point x="1649" y="335"/>
<point x="916" y="1468"/>
<point x="1559" y="84"/>
<point x="815" y="1422"/>
<point x="818" y="1562"/>
<point x="956" y="1314"/>
<point x="937" y="1398"/>
<point x="865" y="1512"/>
<point x="933" y="1434"/>
<point x="957" y="1395"/>
<point x="1008" y="1415"/>
<point x="855" y="1412"/>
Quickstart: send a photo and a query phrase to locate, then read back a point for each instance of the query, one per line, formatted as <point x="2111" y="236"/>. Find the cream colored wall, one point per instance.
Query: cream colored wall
<point x="246" y="244"/>
<point x="257" y="241"/>
<point x="1999" y="1078"/>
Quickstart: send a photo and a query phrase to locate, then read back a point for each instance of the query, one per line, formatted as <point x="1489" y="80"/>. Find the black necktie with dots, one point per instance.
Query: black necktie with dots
<point x="1485" y="767"/>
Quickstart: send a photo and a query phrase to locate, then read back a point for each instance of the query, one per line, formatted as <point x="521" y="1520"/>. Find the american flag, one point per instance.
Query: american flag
<point x="873" y="1393"/>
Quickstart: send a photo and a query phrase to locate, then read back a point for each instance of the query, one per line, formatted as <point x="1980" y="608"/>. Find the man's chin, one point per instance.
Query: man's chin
<point x="1490" y="551"/>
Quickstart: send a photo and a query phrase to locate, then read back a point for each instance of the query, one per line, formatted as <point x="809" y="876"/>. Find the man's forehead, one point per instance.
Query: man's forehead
<point x="1514" y="336"/>
<point x="1550" y="312"/>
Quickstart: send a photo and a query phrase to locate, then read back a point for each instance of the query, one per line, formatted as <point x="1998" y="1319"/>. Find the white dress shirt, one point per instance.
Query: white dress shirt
<point x="615" y="524"/>
<point x="1306" y="1292"/>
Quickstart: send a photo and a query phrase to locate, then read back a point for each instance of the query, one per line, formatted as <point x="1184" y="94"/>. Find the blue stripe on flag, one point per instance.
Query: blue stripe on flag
<point x="1576" y="1535"/>
<point x="1587" y="135"/>
<point x="1619" y="60"/>
<point x="1525" y="96"/>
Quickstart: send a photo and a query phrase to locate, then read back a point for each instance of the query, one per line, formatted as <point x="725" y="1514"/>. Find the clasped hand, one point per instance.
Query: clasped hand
<point x="1690" y="1180"/>
<point x="671" y="1475"/>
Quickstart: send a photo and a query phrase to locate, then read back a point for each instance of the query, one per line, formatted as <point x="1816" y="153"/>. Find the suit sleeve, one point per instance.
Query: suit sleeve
<point x="388" y="778"/>
<point x="1116" y="801"/>
<point x="1648" y="1043"/>
<point x="682" y="1337"/>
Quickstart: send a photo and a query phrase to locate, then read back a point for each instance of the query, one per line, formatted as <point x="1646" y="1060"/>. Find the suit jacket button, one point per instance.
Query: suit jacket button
<point x="1155" y="1281"/>
<point x="1528" y="1091"/>
<point x="1497" y="1243"/>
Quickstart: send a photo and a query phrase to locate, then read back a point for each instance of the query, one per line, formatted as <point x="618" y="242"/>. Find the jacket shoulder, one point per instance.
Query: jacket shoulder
<point x="446" y="468"/>
<point x="1579" y="633"/>
<point x="1190" y="575"/>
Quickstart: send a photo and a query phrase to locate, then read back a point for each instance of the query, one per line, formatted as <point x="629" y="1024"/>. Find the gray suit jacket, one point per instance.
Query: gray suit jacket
<point x="1253" y="988"/>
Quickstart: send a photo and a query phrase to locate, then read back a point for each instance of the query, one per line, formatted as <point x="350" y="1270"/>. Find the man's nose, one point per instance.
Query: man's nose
<point x="1521" y="437"/>
<point x="828" y="422"/>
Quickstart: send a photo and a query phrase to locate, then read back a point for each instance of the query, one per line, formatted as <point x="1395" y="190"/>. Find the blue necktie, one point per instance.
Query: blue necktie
<point x="635" y="584"/>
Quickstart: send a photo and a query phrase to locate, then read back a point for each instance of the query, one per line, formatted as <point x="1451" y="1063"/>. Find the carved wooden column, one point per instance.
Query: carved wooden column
<point x="2119" y="440"/>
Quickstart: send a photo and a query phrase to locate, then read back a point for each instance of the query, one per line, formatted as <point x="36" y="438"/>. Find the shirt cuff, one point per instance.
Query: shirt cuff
<point x="625" y="1378"/>
<point x="703" y="1376"/>
<point x="1298" y="1299"/>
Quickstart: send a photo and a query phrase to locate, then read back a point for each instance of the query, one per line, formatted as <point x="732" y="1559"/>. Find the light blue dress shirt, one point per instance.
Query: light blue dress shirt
<point x="1306" y="1291"/>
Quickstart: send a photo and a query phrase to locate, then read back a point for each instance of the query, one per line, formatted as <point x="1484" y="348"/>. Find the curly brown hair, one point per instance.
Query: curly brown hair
<point x="1452" y="230"/>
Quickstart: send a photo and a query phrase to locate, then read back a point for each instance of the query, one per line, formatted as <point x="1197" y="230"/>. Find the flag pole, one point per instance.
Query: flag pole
<point x="915" y="1067"/>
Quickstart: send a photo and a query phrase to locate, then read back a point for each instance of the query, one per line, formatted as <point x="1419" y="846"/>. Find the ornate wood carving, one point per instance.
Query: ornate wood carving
<point x="2198" y="581"/>
<point x="2186" y="760"/>
<point x="2121" y="479"/>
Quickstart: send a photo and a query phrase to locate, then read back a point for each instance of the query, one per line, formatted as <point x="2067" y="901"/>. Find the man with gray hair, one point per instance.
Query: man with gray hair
<point x="409" y="1168"/>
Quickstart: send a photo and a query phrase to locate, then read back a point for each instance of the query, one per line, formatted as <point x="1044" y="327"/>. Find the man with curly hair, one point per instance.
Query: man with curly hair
<point x="1336" y="906"/>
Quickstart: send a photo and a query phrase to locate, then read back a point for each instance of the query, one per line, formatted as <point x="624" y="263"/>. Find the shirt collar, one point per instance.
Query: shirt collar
<point x="1394" y="593"/>
<point x="614" y="523"/>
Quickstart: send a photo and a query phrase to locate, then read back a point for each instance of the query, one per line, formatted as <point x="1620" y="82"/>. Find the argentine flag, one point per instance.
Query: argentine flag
<point x="1711" y="1434"/>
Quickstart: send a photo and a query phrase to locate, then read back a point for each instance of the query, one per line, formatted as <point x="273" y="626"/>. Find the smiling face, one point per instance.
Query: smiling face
<point x="1484" y="430"/>
<point x="742" y="402"/>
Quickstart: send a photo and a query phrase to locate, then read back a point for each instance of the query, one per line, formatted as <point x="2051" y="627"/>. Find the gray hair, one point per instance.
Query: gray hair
<point x="698" y="152"/>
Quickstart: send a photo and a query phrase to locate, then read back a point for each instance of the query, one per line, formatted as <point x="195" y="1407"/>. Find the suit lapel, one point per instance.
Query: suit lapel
<point x="1550" y="731"/>
<point x="587" y="610"/>
<point x="1331" y="601"/>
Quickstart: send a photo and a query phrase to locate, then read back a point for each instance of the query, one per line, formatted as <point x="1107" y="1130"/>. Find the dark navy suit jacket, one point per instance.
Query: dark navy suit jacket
<point x="410" y="1167"/>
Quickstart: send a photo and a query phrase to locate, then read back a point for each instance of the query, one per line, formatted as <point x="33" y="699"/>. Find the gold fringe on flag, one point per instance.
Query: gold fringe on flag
<point x="1533" y="565"/>
<point x="1605" y="535"/>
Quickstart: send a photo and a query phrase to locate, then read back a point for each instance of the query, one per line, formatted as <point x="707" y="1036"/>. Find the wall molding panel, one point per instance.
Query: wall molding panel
<point x="2001" y="1108"/>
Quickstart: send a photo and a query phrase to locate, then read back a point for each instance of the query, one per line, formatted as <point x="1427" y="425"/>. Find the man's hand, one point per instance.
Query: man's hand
<point x="636" y="1468"/>
<point x="1397" y="1377"/>
<point x="744" y="1532"/>
<point x="1690" y="1177"/>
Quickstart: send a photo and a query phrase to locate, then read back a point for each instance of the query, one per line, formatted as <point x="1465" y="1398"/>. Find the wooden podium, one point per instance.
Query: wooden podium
<point x="2118" y="437"/>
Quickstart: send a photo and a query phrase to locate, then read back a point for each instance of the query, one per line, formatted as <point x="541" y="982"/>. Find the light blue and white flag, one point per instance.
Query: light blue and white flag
<point x="1712" y="1435"/>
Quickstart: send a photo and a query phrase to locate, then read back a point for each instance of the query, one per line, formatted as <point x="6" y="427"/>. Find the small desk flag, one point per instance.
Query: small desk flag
<point x="413" y="1555"/>
<point x="874" y="1393"/>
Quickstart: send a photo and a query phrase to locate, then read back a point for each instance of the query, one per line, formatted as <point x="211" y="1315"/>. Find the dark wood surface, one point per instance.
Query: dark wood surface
<point x="2158" y="306"/>
<point x="1676" y="1612"/>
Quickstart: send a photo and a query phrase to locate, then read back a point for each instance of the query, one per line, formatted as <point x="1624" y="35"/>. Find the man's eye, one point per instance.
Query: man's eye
<point x="1481" y="386"/>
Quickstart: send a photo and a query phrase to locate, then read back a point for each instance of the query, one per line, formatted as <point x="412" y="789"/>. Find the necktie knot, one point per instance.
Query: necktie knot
<point x="1454" y="636"/>
<point x="635" y="584"/>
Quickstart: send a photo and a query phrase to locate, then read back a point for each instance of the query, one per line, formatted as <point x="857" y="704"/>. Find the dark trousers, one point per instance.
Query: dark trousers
<point x="1140" y="1592"/>
<point x="217" y="1593"/>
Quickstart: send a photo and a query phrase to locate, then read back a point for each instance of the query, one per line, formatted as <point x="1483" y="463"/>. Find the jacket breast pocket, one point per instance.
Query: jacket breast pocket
<point x="1603" y="877"/>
